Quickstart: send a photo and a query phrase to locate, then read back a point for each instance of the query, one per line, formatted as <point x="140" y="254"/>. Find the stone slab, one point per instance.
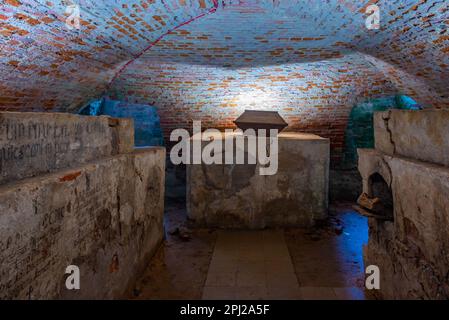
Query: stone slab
<point x="36" y="143"/>
<point x="236" y="196"/>
<point x="421" y="135"/>
<point x="104" y="217"/>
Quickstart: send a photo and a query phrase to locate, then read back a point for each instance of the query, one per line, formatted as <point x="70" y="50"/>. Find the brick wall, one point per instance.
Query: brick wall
<point x="45" y="66"/>
<point x="314" y="97"/>
<point x="253" y="55"/>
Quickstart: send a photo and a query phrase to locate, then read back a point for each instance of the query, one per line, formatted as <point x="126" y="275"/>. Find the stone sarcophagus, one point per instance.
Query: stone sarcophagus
<point x="407" y="178"/>
<point x="73" y="191"/>
<point x="238" y="196"/>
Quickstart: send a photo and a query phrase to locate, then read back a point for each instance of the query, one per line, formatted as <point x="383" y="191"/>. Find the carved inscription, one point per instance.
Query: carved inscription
<point x="30" y="253"/>
<point x="30" y="146"/>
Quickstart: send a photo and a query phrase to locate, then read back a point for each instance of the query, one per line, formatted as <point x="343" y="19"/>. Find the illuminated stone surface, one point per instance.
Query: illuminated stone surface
<point x="309" y="60"/>
<point x="237" y="196"/>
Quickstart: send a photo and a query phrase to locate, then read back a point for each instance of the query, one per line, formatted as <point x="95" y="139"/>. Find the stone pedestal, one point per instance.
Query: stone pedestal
<point x="237" y="196"/>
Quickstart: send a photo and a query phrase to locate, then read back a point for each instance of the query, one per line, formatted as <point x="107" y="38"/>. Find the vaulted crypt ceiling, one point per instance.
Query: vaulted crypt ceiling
<point x="47" y="66"/>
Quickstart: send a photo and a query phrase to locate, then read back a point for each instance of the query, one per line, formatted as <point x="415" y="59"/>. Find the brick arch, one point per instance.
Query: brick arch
<point x="300" y="59"/>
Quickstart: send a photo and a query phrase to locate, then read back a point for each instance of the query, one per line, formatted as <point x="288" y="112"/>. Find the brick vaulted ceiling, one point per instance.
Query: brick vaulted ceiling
<point x="46" y="66"/>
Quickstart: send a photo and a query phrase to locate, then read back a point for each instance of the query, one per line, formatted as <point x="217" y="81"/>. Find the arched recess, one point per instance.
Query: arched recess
<point x="380" y="189"/>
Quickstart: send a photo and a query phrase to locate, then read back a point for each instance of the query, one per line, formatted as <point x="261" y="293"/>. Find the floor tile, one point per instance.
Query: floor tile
<point x="219" y="293"/>
<point x="256" y="264"/>
<point x="279" y="266"/>
<point x="251" y="266"/>
<point x="221" y="279"/>
<point x="224" y="265"/>
<point x="349" y="293"/>
<point x="251" y="255"/>
<point x="251" y="279"/>
<point x="276" y="279"/>
<point x="317" y="293"/>
<point x="284" y="293"/>
<point x="251" y="293"/>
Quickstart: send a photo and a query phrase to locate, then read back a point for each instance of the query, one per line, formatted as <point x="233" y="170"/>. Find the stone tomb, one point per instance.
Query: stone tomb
<point x="237" y="196"/>
<point x="409" y="169"/>
<point x="102" y="213"/>
<point x="34" y="143"/>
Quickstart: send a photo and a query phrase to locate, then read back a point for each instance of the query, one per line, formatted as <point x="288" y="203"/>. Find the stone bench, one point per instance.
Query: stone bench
<point x="73" y="191"/>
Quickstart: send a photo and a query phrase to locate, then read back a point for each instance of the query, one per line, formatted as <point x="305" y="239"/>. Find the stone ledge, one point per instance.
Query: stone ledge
<point x="421" y="135"/>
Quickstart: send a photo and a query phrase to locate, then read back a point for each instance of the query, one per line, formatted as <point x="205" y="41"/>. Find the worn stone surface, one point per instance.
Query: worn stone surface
<point x="147" y="127"/>
<point x="421" y="135"/>
<point x="412" y="251"/>
<point x="36" y="143"/>
<point x="104" y="217"/>
<point x="122" y="135"/>
<point x="371" y="161"/>
<point x="236" y="196"/>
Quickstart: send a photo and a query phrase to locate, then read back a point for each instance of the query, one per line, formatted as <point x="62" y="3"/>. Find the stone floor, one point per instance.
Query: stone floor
<point x="251" y="265"/>
<point x="320" y="263"/>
